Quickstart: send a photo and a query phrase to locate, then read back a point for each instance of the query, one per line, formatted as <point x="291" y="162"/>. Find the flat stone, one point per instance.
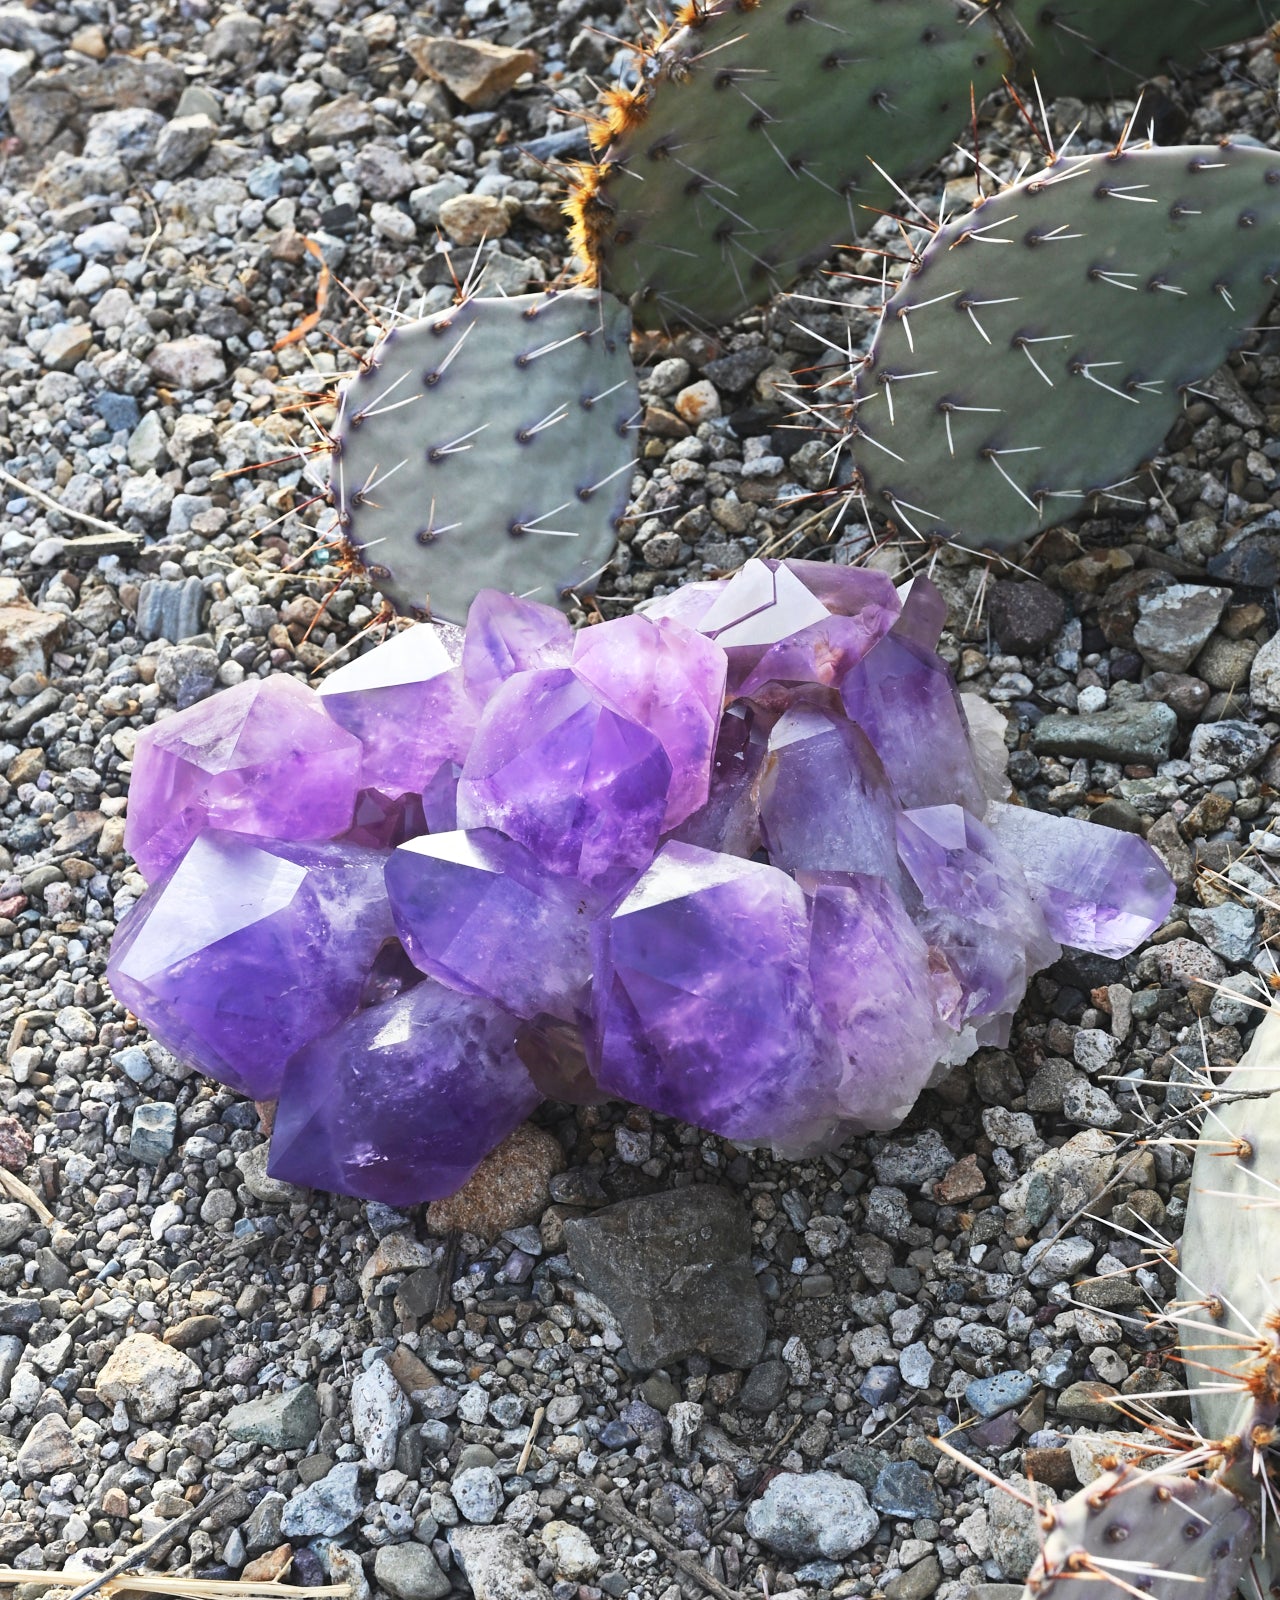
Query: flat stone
<point x="1024" y="616"/>
<point x="1141" y="731"/>
<point x="67" y="344"/>
<point x="765" y="1388"/>
<point x="905" y="1489"/>
<point x="917" y="1582"/>
<point x="287" y="1421"/>
<point x="495" y="1562"/>
<point x="508" y="1188"/>
<point x="1089" y="1401"/>
<point x="1173" y="623"/>
<point x="990" y="1396"/>
<point x="478" y="72"/>
<point x="28" y="636"/>
<point x="675" y="1269"/>
<point x="48" y="1448"/>
<point x="326" y="1508"/>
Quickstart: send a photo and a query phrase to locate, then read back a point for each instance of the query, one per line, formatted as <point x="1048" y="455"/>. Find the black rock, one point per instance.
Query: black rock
<point x="1024" y="616"/>
<point x="675" y="1269"/>
<point x="765" y="1387"/>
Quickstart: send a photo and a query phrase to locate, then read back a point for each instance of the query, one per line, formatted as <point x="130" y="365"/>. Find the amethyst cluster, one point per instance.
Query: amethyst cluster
<point x="740" y="858"/>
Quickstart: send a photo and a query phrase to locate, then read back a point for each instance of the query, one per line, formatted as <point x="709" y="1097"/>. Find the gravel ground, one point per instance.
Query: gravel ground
<point x="287" y="1382"/>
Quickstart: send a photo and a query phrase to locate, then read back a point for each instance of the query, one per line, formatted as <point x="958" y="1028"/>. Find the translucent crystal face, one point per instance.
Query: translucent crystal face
<point x="738" y="858"/>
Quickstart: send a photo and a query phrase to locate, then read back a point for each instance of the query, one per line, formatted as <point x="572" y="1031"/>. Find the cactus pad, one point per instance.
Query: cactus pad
<point x="1040" y="349"/>
<point x="748" y="152"/>
<point x="1136" y="1527"/>
<point x="489" y="446"/>
<point x="1231" y="1321"/>
<point x="1095" y="48"/>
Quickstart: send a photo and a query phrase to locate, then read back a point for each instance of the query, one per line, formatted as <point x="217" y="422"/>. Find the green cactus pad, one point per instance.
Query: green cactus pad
<point x="1138" y="1526"/>
<point x="1234" y="1292"/>
<point x="489" y="447"/>
<point x="1095" y="48"/>
<point x="751" y="153"/>
<point x="1042" y="347"/>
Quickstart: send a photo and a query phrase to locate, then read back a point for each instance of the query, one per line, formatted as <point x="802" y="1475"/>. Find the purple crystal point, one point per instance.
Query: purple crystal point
<point x="260" y="759"/>
<point x="821" y="654"/>
<point x="924" y="613"/>
<point x="703" y="1003"/>
<point x="759" y="606"/>
<point x="671" y="681"/>
<point x="730" y="820"/>
<point x="825" y="804"/>
<point x="480" y="913"/>
<point x="383" y="821"/>
<point x="506" y="635"/>
<point x="405" y="703"/>
<point x="687" y="604"/>
<point x="874" y="989"/>
<point x="1099" y="889"/>
<point x="250" y="948"/>
<point x="903" y="699"/>
<point x="845" y="591"/>
<point x="403" y="1101"/>
<point x="978" y="910"/>
<point x="580" y="786"/>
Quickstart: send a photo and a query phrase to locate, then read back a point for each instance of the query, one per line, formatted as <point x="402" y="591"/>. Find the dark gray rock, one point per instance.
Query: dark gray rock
<point x="905" y="1489"/>
<point x="1024" y="616"/>
<point x="765" y="1388"/>
<point x="1138" y="732"/>
<point x="675" y="1269"/>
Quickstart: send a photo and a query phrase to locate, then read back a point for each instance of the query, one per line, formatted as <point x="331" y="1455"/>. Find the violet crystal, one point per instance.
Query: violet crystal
<point x="744" y="857"/>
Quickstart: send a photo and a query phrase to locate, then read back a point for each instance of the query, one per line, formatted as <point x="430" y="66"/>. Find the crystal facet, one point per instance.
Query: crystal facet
<point x="704" y="1007"/>
<point x="1099" y="889"/>
<point x="668" y="679"/>
<point x="248" y="949"/>
<point x="479" y="912"/>
<point x="402" y="1102"/>
<point x="405" y="703"/>
<point x="260" y="758"/>
<point x="825" y="804"/>
<point x="902" y="698"/>
<point x="580" y="786"/>
<point x="505" y="636"/>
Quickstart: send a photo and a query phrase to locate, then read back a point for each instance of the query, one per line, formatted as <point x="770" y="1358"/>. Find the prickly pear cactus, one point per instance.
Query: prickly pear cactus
<point x="1095" y="48"/>
<point x="1043" y="345"/>
<point x="1150" y="1532"/>
<point x="748" y="152"/>
<point x="1230" y="1263"/>
<point x="489" y="446"/>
